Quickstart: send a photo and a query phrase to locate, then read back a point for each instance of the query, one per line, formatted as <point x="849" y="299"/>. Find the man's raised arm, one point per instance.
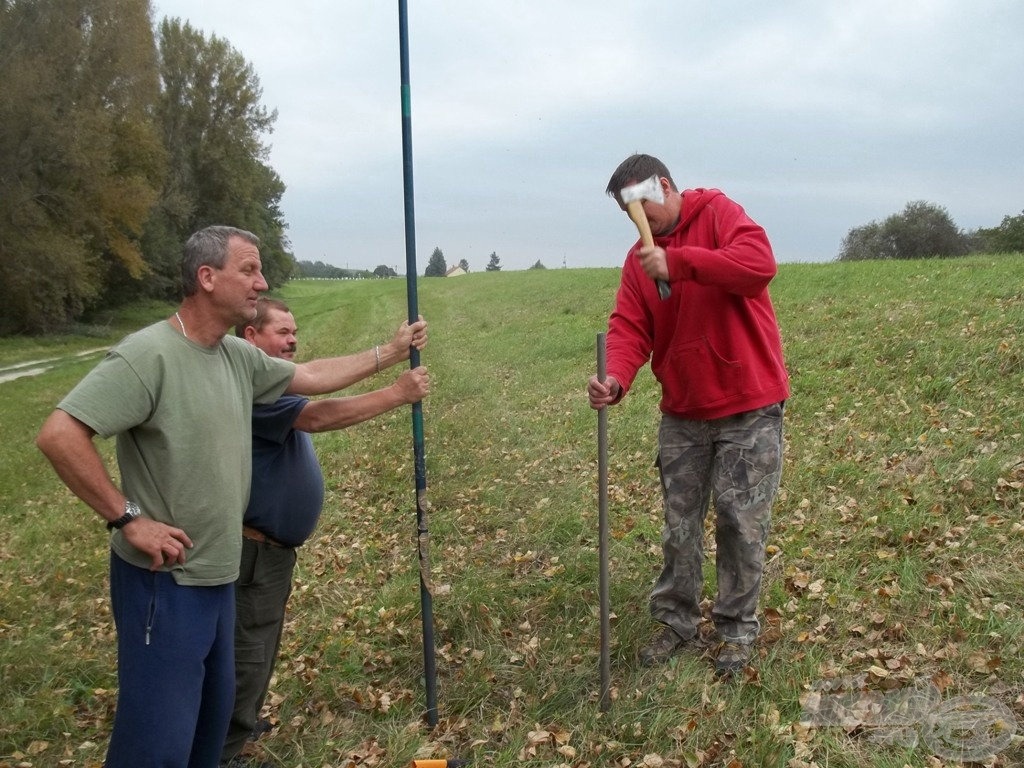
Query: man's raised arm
<point x="329" y="374"/>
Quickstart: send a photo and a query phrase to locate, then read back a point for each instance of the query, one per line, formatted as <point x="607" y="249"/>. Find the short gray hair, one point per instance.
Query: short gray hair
<point x="208" y="248"/>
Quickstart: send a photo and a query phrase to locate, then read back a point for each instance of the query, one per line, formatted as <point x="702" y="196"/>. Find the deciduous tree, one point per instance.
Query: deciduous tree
<point x="921" y="230"/>
<point x="213" y="123"/>
<point x="1008" y="237"/>
<point x="80" y="159"/>
<point x="866" y="242"/>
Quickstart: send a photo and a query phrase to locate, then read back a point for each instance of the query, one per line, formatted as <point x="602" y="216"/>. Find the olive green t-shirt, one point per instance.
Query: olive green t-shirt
<point x="182" y="416"/>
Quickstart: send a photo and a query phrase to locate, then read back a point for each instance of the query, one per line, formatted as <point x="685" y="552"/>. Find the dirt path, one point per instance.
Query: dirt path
<point x="36" y="367"/>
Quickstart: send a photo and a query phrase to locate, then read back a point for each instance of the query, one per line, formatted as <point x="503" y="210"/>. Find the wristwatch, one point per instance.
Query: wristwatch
<point x="131" y="511"/>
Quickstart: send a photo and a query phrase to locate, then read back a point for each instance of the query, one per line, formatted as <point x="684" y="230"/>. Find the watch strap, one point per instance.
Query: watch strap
<point x="131" y="511"/>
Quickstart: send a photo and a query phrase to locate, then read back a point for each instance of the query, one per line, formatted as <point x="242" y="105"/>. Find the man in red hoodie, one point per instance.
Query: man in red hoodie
<point x="715" y="348"/>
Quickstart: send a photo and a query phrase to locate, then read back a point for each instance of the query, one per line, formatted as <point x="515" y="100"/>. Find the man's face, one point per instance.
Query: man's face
<point x="277" y="337"/>
<point x="238" y="285"/>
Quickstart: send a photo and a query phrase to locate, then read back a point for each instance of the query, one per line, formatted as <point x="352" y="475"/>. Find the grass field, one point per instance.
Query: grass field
<point x="895" y="557"/>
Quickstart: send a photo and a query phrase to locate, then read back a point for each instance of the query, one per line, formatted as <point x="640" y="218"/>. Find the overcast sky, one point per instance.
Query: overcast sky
<point x="815" y="115"/>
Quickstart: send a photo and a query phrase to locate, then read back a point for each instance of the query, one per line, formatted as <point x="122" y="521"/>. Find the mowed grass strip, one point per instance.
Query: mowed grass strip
<point x="894" y="558"/>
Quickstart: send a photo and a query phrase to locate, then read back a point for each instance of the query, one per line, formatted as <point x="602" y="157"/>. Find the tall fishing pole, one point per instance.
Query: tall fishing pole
<point x="604" y="700"/>
<point x="422" y="529"/>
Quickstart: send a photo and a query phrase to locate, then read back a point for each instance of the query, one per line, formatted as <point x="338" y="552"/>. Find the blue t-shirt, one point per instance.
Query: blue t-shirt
<point x="287" y="484"/>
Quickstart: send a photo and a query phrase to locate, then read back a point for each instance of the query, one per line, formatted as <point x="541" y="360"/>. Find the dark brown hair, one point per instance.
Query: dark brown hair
<point x="637" y="168"/>
<point x="263" y="306"/>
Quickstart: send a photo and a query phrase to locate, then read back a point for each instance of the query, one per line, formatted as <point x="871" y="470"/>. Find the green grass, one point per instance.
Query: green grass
<point x="896" y="543"/>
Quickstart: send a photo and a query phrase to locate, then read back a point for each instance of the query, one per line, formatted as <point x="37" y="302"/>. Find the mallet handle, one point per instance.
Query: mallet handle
<point x="635" y="209"/>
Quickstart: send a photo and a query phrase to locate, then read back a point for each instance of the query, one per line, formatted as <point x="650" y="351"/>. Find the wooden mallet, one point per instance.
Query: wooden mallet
<point x="633" y="198"/>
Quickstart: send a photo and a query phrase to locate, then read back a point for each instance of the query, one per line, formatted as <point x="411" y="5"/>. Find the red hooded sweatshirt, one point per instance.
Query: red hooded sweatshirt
<point x="714" y="344"/>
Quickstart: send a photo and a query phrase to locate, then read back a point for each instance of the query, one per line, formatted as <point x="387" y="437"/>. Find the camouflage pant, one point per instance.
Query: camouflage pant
<point x="738" y="459"/>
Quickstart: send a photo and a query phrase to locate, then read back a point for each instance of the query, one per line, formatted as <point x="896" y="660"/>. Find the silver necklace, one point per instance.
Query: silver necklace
<point x="183" y="332"/>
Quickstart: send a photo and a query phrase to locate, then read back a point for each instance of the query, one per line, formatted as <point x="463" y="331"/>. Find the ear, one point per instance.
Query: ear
<point x="205" y="277"/>
<point x="250" y="334"/>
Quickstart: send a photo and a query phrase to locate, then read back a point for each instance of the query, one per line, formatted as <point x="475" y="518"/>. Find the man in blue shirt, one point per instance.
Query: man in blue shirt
<point x="284" y="506"/>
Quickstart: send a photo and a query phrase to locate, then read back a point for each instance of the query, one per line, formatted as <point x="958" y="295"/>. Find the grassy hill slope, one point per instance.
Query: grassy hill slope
<point x="895" y="553"/>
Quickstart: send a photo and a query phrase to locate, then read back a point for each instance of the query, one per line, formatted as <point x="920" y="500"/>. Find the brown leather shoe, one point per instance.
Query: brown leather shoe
<point x="732" y="658"/>
<point x="663" y="647"/>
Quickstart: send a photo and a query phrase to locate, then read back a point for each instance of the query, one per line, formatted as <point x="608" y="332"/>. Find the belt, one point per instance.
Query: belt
<point x="262" y="538"/>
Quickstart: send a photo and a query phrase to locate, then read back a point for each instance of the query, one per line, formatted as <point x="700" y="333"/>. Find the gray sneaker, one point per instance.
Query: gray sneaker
<point x="732" y="658"/>
<point x="663" y="647"/>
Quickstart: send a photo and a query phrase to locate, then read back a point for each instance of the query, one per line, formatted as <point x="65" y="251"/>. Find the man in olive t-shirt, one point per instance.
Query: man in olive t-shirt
<point x="178" y="396"/>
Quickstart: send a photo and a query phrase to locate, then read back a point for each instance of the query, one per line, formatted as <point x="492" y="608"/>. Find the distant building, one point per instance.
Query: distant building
<point x="455" y="271"/>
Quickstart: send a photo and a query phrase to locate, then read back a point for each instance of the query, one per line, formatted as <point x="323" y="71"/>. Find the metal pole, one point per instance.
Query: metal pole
<point x="602" y="527"/>
<point x="422" y="529"/>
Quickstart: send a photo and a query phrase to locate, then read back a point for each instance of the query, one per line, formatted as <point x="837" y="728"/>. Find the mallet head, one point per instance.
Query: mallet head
<point x="648" y="189"/>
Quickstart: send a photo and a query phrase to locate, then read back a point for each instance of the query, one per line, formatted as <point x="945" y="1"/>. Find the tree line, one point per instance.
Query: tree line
<point x="319" y="270"/>
<point x="118" y="139"/>
<point x="925" y="230"/>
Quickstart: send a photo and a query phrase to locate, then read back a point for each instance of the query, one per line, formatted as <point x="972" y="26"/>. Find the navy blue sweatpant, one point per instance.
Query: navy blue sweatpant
<point x="175" y="670"/>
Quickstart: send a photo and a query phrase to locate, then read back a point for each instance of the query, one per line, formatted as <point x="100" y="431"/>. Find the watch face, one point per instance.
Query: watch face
<point x="131" y="512"/>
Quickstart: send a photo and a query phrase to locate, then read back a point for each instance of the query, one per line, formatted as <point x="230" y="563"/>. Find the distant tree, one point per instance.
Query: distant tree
<point x="922" y="230"/>
<point x="436" y="266"/>
<point x="866" y="242"/>
<point x="538" y="265"/>
<point x="80" y="158"/>
<point x="384" y="271"/>
<point x="464" y="265"/>
<point x="1008" y="237"/>
<point x="494" y="265"/>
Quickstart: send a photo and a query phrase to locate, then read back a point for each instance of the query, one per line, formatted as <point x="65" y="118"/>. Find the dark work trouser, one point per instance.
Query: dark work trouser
<point x="261" y="596"/>
<point x="737" y="462"/>
<point x="174" y="669"/>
